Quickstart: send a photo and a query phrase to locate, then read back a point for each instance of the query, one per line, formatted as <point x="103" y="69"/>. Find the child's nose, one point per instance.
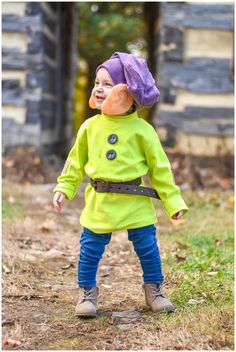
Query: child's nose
<point x="99" y="88"/>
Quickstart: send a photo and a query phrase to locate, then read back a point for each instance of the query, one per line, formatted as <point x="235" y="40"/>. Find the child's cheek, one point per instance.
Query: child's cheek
<point x="93" y="91"/>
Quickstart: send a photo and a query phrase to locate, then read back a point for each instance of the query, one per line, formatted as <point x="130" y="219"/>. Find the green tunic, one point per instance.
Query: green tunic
<point x="138" y="153"/>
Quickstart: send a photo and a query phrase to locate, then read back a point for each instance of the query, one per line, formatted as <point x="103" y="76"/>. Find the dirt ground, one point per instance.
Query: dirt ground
<point x="40" y="253"/>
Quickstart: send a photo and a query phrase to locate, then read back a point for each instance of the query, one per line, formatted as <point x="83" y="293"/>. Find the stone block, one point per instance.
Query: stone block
<point x="173" y="41"/>
<point x="33" y="109"/>
<point x="49" y="47"/>
<point x="184" y="15"/>
<point x="35" y="8"/>
<point x="17" y="134"/>
<point x="14" y="74"/>
<point x="10" y="84"/>
<point x="35" y="42"/>
<point x="13" y="93"/>
<point x="34" y="79"/>
<point x="196" y="124"/>
<point x="48" y="113"/>
<point x="201" y="75"/>
<point x="210" y="16"/>
<point x="15" y="23"/>
<point x="198" y="112"/>
<point x="168" y="95"/>
<point x="13" y="59"/>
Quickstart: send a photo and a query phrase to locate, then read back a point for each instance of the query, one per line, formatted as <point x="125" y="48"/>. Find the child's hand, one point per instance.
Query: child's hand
<point x="178" y="215"/>
<point x="58" y="200"/>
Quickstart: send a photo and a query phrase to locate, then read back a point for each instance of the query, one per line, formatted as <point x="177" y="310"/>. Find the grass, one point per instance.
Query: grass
<point x="11" y="211"/>
<point x="198" y="263"/>
<point x="203" y="255"/>
<point x="70" y="343"/>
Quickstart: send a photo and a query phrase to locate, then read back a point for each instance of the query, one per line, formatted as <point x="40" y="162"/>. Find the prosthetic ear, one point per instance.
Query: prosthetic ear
<point x="92" y="103"/>
<point x="118" y="101"/>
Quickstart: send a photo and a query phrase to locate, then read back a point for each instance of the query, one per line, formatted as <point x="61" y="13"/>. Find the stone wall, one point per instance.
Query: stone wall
<point x="195" y="74"/>
<point x="38" y="62"/>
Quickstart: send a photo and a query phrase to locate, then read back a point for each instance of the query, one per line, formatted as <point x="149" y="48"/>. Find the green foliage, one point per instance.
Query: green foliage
<point x="11" y="211"/>
<point x="105" y="27"/>
<point x="80" y="97"/>
<point x="202" y="257"/>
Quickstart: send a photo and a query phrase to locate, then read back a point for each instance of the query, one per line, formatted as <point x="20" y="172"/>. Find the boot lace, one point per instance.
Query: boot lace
<point x="89" y="295"/>
<point x="157" y="292"/>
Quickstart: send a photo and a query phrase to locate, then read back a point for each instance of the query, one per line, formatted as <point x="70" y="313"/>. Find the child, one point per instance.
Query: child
<point x="116" y="149"/>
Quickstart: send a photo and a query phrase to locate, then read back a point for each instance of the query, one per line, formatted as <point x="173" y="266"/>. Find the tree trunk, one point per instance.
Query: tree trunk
<point x="151" y="14"/>
<point x="91" y="78"/>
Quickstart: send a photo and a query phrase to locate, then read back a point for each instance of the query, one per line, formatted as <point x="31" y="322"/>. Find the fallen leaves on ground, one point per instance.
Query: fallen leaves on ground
<point x="25" y="164"/>
<point x="11" y="343"/>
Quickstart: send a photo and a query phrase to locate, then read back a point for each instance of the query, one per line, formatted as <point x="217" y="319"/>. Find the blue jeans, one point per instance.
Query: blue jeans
<point x="144" y="243"/>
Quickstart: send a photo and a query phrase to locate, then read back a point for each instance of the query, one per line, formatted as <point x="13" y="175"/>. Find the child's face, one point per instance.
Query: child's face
<point x="103" y="85"/>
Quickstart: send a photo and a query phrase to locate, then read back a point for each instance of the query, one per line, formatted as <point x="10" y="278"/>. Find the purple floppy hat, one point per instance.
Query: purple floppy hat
<point x="128" y="69"/>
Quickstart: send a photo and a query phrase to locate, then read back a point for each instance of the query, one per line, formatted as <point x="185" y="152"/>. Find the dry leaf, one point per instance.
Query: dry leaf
<point x="218" y="242"/>
<point x="49" y="245"/>
<point x="8" y="163"/>
<point x="180" y="258"/>
<point x="195" y="301"/>
<point x="71" y="265"/>
<point x="11" y="200"/>
<point x="45" y="229"/>
<point x="104" y="274"/>
<point x="6" y="269"/>
<point x="230" y="200"/>
<point x="106" y="286"/>
<point x="182" y="245"/>
<point x="8" y="322"/>
<point x="37" y="160"/>
<point x="11" y="343"/>
<point x="212" y="273"/>
<point x="110" y="320"/>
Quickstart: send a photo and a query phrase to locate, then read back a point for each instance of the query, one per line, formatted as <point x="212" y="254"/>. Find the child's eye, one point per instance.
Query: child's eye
<point x="108" y="84"/>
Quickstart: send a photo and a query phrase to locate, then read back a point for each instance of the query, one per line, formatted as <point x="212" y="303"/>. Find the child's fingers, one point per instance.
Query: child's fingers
<point x="57" y="201"/>
<point x="178" y="215"/>
<point x="61" y="198"/>
<point x="58" y="206"/>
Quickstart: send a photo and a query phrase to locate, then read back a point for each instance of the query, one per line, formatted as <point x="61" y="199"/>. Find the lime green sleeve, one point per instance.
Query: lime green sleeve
<point x="73" y="172"/>
<point x="162" y="178"/>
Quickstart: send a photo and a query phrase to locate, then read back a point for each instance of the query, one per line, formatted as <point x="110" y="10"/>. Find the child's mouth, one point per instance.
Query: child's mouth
<point x="99" y="99"/>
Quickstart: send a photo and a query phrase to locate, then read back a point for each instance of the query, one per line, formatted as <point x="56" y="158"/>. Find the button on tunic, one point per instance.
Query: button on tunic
<point x="137" y="152"/>
<point x="111" y="154"/>
<point x="112" y="138"/>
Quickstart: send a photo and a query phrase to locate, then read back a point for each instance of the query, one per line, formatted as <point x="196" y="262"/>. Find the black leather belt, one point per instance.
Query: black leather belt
<point x="129" y="187"/>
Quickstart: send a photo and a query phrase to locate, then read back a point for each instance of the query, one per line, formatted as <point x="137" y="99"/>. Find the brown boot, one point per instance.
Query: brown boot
<point x="86" y="306"/>
<point x="156" y="300"/>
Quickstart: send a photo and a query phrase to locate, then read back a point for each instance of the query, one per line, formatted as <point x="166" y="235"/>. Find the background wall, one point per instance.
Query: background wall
<point x="189" y="46"/>
<point x="39" y="60"/>
<point x="195" y="73"/>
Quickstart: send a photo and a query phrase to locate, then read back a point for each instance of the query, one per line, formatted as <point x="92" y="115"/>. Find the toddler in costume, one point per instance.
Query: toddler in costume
<point x="115" y="149"/>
